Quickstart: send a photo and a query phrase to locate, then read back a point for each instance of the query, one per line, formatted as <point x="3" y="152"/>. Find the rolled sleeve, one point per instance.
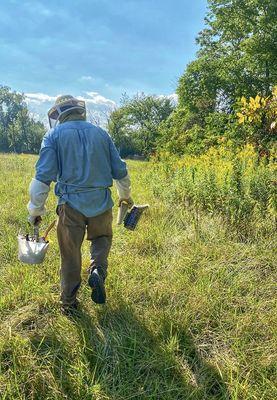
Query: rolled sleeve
<point x="123" y="187"/>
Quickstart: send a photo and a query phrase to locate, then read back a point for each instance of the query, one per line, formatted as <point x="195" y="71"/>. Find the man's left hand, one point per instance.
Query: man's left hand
<point x="34" y="220"/>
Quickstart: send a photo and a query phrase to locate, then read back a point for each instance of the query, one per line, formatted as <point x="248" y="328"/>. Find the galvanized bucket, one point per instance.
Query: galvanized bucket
<point x="32" y="249"/>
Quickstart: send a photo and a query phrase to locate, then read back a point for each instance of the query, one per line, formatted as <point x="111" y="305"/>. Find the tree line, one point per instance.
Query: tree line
<point x="19" y="132"/>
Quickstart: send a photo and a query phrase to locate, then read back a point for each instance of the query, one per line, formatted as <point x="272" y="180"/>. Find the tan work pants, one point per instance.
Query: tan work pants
<point x="71" y="229"/>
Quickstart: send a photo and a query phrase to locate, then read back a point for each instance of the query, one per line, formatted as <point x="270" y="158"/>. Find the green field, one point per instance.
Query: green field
<point x="190" y="312"/>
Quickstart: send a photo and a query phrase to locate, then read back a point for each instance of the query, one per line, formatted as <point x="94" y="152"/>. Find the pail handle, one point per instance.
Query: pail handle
<point x="48" y="229"/>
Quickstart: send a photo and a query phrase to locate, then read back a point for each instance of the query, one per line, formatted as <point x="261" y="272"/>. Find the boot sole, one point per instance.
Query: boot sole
<point x="98" y="294"/>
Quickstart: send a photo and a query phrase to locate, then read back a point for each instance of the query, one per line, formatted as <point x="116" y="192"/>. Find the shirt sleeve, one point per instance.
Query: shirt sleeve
<point x="47" y="164"/>
<point x="118" y="166"/>
<point x="123" y="187"/>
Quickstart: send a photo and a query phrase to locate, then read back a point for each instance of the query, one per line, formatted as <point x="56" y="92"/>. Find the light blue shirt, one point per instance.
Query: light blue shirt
<point x="83" y="160"/>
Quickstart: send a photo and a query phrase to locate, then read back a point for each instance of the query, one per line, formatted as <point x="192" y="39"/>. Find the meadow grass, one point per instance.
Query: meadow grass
<point x="190" y="313"/>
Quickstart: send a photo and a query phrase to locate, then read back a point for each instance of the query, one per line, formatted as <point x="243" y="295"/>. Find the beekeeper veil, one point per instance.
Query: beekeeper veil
<point x="64" y="105"/>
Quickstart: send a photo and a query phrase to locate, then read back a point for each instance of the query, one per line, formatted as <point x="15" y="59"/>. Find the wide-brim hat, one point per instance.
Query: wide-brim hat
<point x="64" y="104"/>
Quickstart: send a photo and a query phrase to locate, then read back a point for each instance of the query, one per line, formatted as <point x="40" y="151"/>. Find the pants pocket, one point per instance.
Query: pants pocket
<point x="59" y="209"/>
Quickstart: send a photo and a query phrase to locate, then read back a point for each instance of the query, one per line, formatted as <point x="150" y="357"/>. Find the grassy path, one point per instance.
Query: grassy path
<point x="187" y="317"/>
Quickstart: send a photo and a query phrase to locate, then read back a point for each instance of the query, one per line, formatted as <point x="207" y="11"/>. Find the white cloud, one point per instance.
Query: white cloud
<point x="38" y="98"/>
<point x="173" y="97"/>
<point x="86" y="78"/>
<point x="96" y="98"/>
<point x="93" y="98"/>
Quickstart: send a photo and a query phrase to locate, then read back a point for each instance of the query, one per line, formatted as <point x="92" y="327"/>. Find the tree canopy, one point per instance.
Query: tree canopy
<point x="134" y="127"/>
<point x="237" y="59"/>
<point x="237" y="55"/>
<point x="18" y="131"/>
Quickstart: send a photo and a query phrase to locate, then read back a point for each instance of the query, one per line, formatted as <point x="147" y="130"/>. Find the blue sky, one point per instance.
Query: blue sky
<point x="102" y="47"/>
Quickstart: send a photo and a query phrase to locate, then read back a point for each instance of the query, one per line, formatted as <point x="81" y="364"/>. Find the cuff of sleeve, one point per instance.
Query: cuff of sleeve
<point x="123" y="187"/>
<point x="38" y="195"/>
<point x="35" y="211"/>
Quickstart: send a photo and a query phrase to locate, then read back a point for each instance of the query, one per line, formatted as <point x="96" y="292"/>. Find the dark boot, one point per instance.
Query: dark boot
<point x="97" y="283"/>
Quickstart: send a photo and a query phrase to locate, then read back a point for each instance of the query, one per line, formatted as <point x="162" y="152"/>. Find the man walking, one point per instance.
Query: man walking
<point x="83" y="161"/>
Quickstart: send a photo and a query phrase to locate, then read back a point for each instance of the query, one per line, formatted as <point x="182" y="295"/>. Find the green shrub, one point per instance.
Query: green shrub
<point x="237" y="186"/>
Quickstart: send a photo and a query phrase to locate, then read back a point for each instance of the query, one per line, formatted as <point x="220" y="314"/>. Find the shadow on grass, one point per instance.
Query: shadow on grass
<point x="120" y="359"/>
<point x="128" y="362"/>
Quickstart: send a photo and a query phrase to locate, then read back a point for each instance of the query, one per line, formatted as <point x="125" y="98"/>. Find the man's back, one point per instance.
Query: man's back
<point x="83" y="154"/>
<point x="83" y="161"/>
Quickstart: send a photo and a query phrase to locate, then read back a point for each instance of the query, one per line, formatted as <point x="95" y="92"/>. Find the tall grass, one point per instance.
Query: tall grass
<point x="190" y="311"/>
<point x="239" y="188"/>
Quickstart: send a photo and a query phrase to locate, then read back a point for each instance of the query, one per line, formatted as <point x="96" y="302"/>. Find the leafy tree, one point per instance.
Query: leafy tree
<point x="18" y="131"/>
<point x="122" y="136"/>
<point x="135" y="125"/>
<point x="240" y="40"/>
<point x="237" y="57"/>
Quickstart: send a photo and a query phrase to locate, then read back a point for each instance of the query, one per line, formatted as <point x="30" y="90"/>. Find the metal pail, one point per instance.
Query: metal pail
<point x="31" y="251"/>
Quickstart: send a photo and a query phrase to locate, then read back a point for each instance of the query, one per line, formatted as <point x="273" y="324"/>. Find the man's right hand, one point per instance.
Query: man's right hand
<point x="129" y="201"/>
